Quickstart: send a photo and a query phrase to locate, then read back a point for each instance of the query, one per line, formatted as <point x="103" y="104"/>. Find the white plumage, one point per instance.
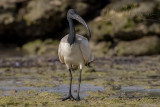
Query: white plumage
<point x="76" y="55"/>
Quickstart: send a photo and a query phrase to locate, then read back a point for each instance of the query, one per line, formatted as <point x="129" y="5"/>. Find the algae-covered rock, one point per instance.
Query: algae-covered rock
<point x="26" y="20"/>
<point x="125" y="22"/>
<point x="39" y="47"/>
<point x="144" y="46"/>
<point x="113" y="22"/>
<point x="101" y="48"/>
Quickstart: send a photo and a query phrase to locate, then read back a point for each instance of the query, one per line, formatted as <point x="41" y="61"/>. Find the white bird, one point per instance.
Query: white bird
<point x="74" y="50"/>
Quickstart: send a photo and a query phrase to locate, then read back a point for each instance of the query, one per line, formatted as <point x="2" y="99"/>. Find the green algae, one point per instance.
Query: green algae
<point x="101" y="99"/>
<point x="39" y="47"/>
<point x="111" y="75"/>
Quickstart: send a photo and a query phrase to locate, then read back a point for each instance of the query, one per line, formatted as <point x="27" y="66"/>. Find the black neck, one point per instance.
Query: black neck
<point x="71" y="37"/>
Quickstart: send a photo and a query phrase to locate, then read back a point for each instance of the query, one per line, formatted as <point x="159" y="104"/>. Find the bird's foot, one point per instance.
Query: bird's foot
<point x="70" y="97"/>
<point x="78" y="98"/>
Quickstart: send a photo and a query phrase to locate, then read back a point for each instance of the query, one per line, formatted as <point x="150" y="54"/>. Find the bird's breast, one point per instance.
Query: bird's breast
<point x="71" y="53"/>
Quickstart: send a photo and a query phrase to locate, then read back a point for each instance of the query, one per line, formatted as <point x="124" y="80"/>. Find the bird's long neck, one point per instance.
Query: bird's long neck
<point x="71" y="37"/>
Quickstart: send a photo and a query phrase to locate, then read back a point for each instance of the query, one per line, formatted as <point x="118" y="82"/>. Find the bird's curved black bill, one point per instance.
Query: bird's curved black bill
<point x="81" y="20"/>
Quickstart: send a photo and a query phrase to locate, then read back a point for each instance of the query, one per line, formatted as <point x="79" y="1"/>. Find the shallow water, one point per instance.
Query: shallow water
<point x="116" y="80"/>
<point x="61" y="89"/>
<point x="140" y="89"/>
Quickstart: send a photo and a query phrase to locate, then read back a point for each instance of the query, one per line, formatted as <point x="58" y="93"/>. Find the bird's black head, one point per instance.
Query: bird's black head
<point x="72" y="14"/>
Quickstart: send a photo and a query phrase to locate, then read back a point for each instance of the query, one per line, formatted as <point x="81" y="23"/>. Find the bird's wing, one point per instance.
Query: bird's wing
<point x="84" y="46"/>
<point x="61" y="58"/>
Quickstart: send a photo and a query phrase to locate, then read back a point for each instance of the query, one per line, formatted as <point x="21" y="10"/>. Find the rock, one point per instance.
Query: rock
<point x="39" y="47"/>
<point x="22" y="21"/>
<point x="122" y="22"/>
<point x="144" y="46"/>
<point x="26" y="20"/>
<point x="101" y="48"/>
<point x="154" y="28"/>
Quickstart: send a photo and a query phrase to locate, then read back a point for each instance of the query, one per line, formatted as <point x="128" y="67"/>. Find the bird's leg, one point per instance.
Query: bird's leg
<point x="70" y="86"/>
<point x="79" y="80"/>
